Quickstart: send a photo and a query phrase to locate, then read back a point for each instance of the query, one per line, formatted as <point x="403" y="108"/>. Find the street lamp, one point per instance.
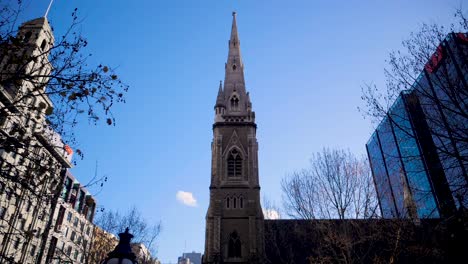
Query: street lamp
<point x="122" y="254"/>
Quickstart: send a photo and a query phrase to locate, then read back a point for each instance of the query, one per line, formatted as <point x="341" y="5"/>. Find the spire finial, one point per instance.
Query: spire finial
<point x="234" y="34"/>
<point x="48" y="8"/>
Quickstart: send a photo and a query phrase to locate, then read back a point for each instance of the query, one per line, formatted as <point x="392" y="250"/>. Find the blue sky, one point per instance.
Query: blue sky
<point x="305" y="63"/>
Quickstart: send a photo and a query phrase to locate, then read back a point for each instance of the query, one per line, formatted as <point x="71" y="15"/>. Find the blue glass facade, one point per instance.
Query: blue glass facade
<point x="418" y="151"/>
<point x="400" y="177"/>
<point x="381" y="180"/>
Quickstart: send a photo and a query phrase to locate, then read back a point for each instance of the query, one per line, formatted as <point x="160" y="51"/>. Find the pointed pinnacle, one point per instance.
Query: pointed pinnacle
<point x="220" y="97"/>
<point x="234" y="34"/>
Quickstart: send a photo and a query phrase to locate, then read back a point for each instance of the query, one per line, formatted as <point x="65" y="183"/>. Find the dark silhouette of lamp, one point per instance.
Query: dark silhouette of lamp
<point x="122" y="254"/>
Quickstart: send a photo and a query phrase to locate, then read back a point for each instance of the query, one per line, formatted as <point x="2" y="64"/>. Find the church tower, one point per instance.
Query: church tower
<point x="234" y="221"/>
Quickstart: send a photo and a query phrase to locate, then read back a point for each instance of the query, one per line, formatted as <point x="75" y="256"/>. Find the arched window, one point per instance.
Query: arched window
<point x="43" y="44"/>
<point x="234" y="248"/>
<point x="234" y="164"/>
<point x="241" y="202"/>
<point x="234" y="102"/>
<point x="228" y="202"/>
<point x="235" y="203"/>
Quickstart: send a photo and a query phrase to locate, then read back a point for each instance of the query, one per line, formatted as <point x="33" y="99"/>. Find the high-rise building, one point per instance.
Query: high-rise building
<point x="234" y="221"/>
<point x="417" y="154"/>
<point x="33" y="158"/>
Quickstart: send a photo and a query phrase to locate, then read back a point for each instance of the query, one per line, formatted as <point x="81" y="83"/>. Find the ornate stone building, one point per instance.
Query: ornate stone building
<point x="33" y="157"/>
<point x="234" y="221"/>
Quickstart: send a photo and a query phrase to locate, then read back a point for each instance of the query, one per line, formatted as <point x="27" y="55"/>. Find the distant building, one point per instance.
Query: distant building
<point x="103" y="242"/>
<point x="413" y="175"/>
<point x="190" y="258"/>
<point x="183" y="260"/>
<point x="143" y="254"/>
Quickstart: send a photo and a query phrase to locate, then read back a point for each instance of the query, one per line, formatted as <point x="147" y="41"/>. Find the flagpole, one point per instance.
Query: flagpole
<point x="48" y="8"/>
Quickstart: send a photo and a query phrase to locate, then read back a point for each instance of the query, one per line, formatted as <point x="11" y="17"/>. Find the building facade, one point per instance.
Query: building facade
<point x="190" y="258"/>
<point x="72" y="234"/>
<point x="103" y="242"/>
<point x="234" y="221"/>
<point x="33" y="157"/>
<point x="417" y="162"/>
<point x="143" y="254"/>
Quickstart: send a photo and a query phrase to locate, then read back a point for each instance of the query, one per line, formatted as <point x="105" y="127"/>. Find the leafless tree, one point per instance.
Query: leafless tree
<point x="270" y="209"/>
<point x="337" y="185"/>
<point x="46" y="90"/>
<point x="143" y="231"/>
<point x="432" y="64"/>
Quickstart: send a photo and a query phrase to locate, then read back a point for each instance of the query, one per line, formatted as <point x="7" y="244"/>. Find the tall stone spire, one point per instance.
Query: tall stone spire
<point x="234" y="43"/>
<point x="236" y="101"/>
<point x="234" y="220"/>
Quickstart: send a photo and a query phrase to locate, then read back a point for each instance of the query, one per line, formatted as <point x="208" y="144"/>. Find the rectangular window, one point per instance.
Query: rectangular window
<point x="395" y="169"/>
<point x="3" y="211"/>
<point x="380" y="176"/>
<point x="28" y="206"/>
<point x="33" y="250"/>
<point x="60" y="217"/>
<point x="51" y="252"/>
<point x="21" y="224"/>
<point x="69" y="217"/>
<point x="16" y="243"/>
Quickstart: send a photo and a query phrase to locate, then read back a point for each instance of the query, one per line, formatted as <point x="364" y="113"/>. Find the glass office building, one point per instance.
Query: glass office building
<point x="418" y="152"/>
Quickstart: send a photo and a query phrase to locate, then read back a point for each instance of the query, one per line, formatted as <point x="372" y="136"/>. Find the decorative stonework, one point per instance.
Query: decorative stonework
<point x="234" y="221"/>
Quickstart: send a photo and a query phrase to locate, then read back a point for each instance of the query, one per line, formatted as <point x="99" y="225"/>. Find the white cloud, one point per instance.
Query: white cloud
<point x="186" y="198"/>
<point x="271" y="214"/>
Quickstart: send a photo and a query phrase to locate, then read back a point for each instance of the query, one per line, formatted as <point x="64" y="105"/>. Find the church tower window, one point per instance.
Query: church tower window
<point x="234" y="102"/>
<point x="234" y="248"/>
<point x="234" y="164"/>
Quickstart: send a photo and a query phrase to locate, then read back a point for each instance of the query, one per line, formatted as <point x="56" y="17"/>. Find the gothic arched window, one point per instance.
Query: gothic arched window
<point x="234" y="248"/>
<point x="234" y="164"/>
<point x="234" y="102"/>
